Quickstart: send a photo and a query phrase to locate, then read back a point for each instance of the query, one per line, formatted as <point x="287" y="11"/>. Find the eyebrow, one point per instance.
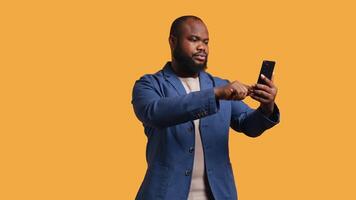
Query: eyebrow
<point x="198" y="37"/>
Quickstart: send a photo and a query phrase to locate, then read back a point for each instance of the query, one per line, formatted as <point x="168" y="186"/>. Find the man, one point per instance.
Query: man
<point x="186" y="114"/>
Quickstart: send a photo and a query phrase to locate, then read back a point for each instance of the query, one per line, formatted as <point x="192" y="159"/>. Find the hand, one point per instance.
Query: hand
<point x="265" y="94"/>
<point x="232" y="91"/>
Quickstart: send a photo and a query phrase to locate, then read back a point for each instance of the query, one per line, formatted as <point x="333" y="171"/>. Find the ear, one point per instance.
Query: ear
<point x="172" y="41"/>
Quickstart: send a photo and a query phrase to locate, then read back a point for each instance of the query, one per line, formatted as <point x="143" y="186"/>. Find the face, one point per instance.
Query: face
<point x="191" y="48"/>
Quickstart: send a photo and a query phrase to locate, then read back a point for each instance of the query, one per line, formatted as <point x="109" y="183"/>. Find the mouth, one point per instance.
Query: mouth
<point x="200" y="57"/>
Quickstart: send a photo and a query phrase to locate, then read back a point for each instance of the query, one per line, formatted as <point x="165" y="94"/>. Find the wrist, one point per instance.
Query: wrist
<point x="267" y="109"/>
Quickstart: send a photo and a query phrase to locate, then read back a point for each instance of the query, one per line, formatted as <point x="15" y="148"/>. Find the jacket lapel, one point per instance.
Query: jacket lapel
<point x="173" y="79"/>
<point x="205" y="81"/>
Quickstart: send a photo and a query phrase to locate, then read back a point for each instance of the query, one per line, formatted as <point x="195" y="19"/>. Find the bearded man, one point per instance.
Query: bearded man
<point x="186" y="114"/>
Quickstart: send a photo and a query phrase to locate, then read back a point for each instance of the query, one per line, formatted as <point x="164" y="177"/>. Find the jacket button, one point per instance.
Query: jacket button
<point x="191" y="149"/>
<point x="187" y="172"/>
<point x="191" y="128"/>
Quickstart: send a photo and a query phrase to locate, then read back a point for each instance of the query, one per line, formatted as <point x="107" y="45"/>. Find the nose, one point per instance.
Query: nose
<point x="201" y="46"/>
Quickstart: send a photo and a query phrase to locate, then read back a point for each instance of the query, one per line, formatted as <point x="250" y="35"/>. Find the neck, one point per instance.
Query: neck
<point x="178" y="70"/>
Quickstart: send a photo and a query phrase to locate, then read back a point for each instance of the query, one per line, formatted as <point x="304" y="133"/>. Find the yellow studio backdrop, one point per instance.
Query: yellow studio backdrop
<point x="68" y="130"/>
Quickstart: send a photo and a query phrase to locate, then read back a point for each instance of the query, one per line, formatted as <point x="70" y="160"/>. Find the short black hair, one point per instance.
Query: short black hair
<point x="176" y="25"/>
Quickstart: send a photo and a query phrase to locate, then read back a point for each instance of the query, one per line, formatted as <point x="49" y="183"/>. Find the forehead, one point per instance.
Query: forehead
<point x="194" y="27"/>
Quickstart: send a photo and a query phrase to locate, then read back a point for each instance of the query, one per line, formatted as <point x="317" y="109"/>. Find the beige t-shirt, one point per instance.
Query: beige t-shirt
<point x="199" y="185"/>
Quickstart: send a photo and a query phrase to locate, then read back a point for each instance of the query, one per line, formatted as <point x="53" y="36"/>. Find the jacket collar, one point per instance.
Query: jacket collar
<point x="169" y="74"/>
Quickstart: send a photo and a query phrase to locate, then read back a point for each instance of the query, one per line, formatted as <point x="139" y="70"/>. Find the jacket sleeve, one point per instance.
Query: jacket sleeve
<point x="153" y="109"/>
<point x="250" y="121"/>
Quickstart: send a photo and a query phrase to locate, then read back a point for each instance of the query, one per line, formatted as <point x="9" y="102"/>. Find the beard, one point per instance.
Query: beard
<point x="187" y="63"/>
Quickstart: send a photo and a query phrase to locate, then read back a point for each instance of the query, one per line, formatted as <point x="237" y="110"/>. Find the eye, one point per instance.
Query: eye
<point x="194" y="39"/>
<point x="206" y="41"/>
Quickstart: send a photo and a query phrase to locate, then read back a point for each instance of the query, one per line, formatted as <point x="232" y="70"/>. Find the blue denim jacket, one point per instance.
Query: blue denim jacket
<point x="160" y="102"/>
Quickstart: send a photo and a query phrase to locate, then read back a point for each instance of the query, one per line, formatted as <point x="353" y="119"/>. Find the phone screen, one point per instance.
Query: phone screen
<point x="267" y="70"/>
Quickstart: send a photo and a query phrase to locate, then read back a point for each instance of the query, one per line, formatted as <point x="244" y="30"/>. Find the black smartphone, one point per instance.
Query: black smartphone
<point x="267" y="70"/>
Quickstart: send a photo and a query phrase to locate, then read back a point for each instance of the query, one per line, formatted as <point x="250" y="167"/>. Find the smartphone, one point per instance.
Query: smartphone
<point x="267" y="70"/>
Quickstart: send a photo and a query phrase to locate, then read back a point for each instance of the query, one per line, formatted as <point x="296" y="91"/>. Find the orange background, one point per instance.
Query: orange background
<point x="67" y="128"/>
